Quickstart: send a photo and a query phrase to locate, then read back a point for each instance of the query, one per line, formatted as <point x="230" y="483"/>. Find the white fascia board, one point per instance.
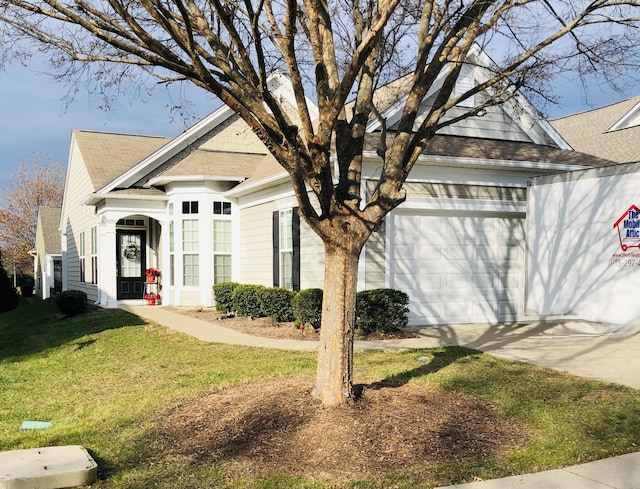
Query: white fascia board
<point x="284" y="88"/>
<point x="177" y="144"/>
<point x="258" y="185"/>
<point x="511" y="108"/>
<point x="161" y="180"/>
<point x="481" y="163"/>
<point x="94" y="198"/>
<point x="622" y="121"/>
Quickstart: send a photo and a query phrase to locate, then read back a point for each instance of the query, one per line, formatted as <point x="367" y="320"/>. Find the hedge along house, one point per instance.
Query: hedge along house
<point x="211" y="205"/>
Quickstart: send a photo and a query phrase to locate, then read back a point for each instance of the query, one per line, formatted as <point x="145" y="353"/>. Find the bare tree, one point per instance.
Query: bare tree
<point x="36" y="182"/>
<point x="337" y="52"/>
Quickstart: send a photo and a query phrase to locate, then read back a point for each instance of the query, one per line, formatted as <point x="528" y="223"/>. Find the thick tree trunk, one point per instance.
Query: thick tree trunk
<point x="335" y="357"/>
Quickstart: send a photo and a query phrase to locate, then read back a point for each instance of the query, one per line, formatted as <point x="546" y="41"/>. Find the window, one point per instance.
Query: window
<point x="286" y="249"/>
<point x="190" y="207"/>
<point x="171" y="251"/>
<point x="81" y="252"/>
<point x="94" y="255"/>
<point x="190" y="246"/>
<point x="221" y="242"/>
<point x="222" y="208"/>
<point x="131" y="222"/>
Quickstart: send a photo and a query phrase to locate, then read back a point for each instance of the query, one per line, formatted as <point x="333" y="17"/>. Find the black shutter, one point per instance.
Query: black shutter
<point x="295" y="221"/>
<point x="276" y="249"/>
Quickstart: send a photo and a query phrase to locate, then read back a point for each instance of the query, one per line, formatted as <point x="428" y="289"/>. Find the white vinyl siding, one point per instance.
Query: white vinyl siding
<point x="76" y="218"/>
<point x="256" y="244"/>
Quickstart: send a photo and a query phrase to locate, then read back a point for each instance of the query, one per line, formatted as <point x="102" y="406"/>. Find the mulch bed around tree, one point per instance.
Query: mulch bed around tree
<point x="274" y="426"/>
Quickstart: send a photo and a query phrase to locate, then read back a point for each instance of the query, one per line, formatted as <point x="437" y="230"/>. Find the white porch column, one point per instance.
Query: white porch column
<point x="107" y="265"/>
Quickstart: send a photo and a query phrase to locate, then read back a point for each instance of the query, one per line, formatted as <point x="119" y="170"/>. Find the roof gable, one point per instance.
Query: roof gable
<point x="107" y="156"/>
<point x="629" y="120"/>
<point x="517" y="112"/>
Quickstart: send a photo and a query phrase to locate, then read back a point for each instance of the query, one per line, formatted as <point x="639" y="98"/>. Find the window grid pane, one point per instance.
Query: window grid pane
<point x="191" y="270"/>
<point x="221" y="236"/>
<point x="190" y="235"/>
<point x="221" y="268"/>
<point x="171" y="237"/>
<point x="286" y="263"/>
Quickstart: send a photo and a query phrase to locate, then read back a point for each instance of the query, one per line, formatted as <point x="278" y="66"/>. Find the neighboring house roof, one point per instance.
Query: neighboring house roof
<point x="611" y="132"/>
<point x="49" y="221"/>
<point x="106" y="156"/>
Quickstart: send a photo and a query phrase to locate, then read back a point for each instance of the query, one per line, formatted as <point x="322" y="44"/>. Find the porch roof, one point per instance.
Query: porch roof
<point x="207" y="164"/>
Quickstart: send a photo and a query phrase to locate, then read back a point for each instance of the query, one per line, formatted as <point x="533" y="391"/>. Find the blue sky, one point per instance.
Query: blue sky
<point x="33" y="116"/>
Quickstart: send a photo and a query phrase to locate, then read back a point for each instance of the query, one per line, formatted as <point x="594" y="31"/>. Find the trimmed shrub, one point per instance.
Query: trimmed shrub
<point x="223" y="294"/>
<point x="71" y="302"/>
<point x="246" y="300"/>
<point x="381" y="310"/>
<point x="8" y="294"/>
<point x="307" y="307"/>
<point x="276" y="303"/>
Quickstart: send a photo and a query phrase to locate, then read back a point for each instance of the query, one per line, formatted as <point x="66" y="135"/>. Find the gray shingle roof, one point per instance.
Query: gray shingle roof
<point x="216" y="163"/>
<point x="49" y="220"/>
<point x="108" y="156"/>
<point x="588" y="132"/>
<point x="492" y="149"/>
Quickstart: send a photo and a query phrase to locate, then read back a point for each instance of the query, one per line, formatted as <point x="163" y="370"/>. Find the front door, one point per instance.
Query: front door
<point x="131" y="264"/>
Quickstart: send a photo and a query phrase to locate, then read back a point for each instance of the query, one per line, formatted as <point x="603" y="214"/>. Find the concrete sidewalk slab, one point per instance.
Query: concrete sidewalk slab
<point x="621" y="472"/>
<point x="47" y="468"/>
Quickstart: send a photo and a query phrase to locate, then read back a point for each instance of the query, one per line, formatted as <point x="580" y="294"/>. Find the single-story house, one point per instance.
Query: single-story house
<point x="47" y="264"/>
<point x="210" y="205"/>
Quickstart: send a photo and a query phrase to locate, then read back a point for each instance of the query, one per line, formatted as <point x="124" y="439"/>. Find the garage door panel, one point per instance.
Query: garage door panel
<point x="484" y="281"/>
<point x="430" y="254"/>
<point x="510" y="253"/>
<point x="458" y="311"/>
<point x="458" y="282"/>
<point x="459" y="268"/>
<point x="459" y="252"/>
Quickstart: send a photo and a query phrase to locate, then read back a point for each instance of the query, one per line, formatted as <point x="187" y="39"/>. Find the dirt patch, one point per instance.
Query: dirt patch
<point x="269" y="328"/>
<point x="274" y="426"/>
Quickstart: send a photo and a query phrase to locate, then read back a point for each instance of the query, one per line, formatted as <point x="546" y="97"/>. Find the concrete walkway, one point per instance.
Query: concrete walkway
<point x="592" y="350"/>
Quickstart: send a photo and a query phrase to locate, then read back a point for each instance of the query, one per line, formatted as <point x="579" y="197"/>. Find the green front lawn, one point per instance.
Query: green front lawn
<point x="103" y="379"/>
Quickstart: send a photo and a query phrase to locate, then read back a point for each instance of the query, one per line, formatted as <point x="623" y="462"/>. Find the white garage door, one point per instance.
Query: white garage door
<point x="459" y="269"/>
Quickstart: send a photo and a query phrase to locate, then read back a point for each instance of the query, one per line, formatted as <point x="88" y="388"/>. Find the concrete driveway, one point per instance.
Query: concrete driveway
<point x="594" y="350"/>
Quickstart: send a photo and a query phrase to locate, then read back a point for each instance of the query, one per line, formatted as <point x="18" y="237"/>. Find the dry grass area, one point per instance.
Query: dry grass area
<point x="269" y="328"/>
<point x="272" y="426"/>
